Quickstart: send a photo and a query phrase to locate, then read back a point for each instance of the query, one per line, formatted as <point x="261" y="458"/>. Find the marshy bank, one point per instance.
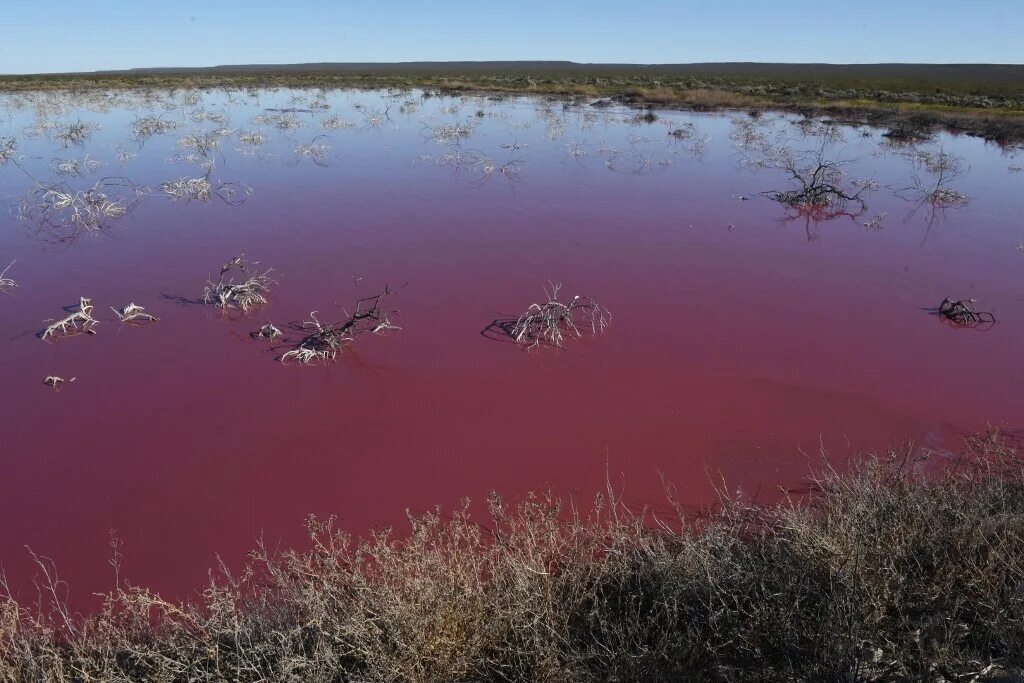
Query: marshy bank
<point x="909" y="566"/>
<point x="983" y="100"/>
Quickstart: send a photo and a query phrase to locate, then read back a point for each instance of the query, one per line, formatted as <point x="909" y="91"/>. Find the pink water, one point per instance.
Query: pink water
<point x="739" y="348"/>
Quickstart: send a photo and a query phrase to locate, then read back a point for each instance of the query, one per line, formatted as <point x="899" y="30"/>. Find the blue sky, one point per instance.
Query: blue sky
<point x="84" y="35"/>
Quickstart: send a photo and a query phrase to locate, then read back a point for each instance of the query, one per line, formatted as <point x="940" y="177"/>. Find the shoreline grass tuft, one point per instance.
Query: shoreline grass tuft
<point x="902" y="568"/>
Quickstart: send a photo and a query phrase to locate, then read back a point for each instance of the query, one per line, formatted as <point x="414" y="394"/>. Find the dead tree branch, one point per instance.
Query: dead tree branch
<point x="68" y="326"/>
<point x="327" y="340"/>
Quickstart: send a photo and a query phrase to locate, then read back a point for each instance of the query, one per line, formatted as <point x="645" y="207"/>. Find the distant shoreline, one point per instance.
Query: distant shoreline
<point x="986" y="101"/>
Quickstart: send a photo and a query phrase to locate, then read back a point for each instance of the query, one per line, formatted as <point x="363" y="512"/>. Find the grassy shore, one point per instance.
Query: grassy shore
<point x="897" y="570"/>
<point x="982" y="100"/>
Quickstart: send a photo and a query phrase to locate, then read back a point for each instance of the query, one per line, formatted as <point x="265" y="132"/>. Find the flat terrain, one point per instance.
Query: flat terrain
<point x="977" y="99"/>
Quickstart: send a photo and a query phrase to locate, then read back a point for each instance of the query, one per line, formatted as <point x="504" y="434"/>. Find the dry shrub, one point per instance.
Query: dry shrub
<point x="66" y="213"/>
<point x="900" y="569"/>
<point x="819" y="186"/>
<point x="238" y="287"/>
<point x="322" y="342"/>
<point x="553" y="322"/>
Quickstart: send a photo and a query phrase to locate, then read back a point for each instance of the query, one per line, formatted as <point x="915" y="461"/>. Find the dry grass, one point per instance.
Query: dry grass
<point x="285" y="121"/>
<point x="449" y="133"/>
<point x="335" y="122"/>
<point x="145" y="127"/>
<point x="188" y="189"/>
<point x="201" y="189"/>
<point x="900" y="570"/>
<point x="74" y="133"/>
<point x="74" y="167"/>
<point x="253" y="138"/>
<point x="697" y="98"/>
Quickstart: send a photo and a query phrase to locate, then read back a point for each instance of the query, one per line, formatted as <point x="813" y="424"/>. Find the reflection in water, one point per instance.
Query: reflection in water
<point x="932" y="173"/>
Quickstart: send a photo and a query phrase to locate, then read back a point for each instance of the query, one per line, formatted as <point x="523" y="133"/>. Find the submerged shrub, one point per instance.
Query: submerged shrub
<point x="239" y="287"/>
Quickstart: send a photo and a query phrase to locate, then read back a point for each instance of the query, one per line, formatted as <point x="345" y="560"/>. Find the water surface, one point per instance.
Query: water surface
<point x="741" y="345"/>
